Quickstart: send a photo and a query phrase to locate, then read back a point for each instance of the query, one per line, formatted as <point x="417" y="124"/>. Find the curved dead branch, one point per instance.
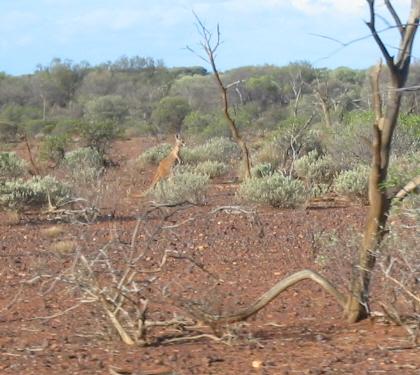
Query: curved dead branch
<point x="266" y="298"/>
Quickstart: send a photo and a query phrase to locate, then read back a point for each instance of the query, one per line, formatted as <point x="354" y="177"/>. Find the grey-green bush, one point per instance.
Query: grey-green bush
<point x="210" y="168"/>
<point x="8" y="132"/>
<point x="262" y="170"/>
<point x="11" y="166"/>
<point x="315" y="169"/>
<point x="353" y="183"/>
<point x="154" y="155"/>
<point x="216" y="149"/>
<point x="85" y="165"/>
<point x="33" y="192"/>
<point x="402" y="169"/>
<point x="277" y="190"/>
<point x="181" y="187"/>
<point x="53" y="148"/>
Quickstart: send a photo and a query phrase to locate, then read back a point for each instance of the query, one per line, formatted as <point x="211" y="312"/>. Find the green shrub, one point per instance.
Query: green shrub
<point x="407" y="134"/>
<point x="216" y="149"/>
<point x="67" y="126"/>
<point x="350" y="141"/>
<point x="291" y="135"/>
<point x="270" y="153"/>
<point x="53" y="148"/>
<point x="8" y="132"/>
<point x="210" y="168"/>
<point x="181" y="187"/>
<point x="353" y="183"/>
<point x="262" y="170"/>
<point x="276" y="190"/>
<point x="402" y="169"/>
<point x="137" y="128"/>
<point x="315" y="169"/>
<point x="99" y="134"/>
<point x="33" y="192"/>
<point x="35" y="127"/>
<point x="107" y="108"/>
<point x="170" y="112"/>
<point x="11" y="166"/>
<point x="85" y="165"/>
<point x="154" y="155"/>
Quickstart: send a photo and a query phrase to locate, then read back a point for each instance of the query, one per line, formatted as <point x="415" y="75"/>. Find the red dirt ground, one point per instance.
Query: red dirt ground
<point x="301" y="332"/>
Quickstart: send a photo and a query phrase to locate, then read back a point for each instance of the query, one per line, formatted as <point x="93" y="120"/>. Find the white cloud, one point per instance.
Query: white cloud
<point x="342" y="7"/>
<point x="312" y="7"/>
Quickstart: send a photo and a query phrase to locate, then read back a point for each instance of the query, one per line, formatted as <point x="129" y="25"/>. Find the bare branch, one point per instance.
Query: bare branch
<point x="406" y="45"/>
<point x="395" y="16"/>
<point x="371" y="24"/>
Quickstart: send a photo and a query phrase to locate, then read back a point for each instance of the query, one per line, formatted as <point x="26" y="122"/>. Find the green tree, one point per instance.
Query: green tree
<point x="112" y="108"/>
<point x="170" y="113"/>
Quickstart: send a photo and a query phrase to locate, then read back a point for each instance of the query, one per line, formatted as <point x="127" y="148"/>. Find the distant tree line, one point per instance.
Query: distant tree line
<point x="142" y="96"/>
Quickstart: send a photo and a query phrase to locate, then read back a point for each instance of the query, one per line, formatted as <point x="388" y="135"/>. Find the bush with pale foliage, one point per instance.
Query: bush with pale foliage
<point x="353" y="183"/>
<point x="181" y="187"/>
<point x="37" y="191"/>
<point x="11" y="166"/>
<point x="276" y="190"/>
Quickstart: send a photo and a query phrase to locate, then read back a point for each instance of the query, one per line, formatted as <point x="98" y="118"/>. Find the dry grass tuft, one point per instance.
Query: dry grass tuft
<point x="53" y="232"/>
<point x="11" y="218"/>
<point x="63" y="247"/>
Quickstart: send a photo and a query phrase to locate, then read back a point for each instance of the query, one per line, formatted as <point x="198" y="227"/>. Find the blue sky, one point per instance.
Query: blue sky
<point x="254" y="32"/>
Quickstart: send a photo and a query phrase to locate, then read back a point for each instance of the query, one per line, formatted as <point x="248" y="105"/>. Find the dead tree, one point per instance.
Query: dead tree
<point x="210" y="49"/>
<point x="321" y="94"/>
<point x="383" y="129"/>
<point x="356" y="302"/>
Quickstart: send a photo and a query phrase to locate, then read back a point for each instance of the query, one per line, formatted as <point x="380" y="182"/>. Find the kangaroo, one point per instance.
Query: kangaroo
<point x="165" y="166"/>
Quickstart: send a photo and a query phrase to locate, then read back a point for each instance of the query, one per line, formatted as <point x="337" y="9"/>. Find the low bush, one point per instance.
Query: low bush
<point x="287" y="144"/>
<point x="314" y="169"/>
<point x="262" y="170"/>
<point x="353" y="183"/>
<point x="277" y="190"/>
<point x="36" y="191"/>
<point x="85" y="165"/>
<point x="350" y="141"/>
<point x="8" y="132"/>
<point x="402" y="169"/>
<point x="53" y="148"/>
<point x="203" y="126"/>
<point x="154" y="155"/>
<point x="181" y="187"/>
<point x="11" y="166"/>
<point x="99" y="134"/>
<point x="216" y="149"/>
<point x="210" y="168"/>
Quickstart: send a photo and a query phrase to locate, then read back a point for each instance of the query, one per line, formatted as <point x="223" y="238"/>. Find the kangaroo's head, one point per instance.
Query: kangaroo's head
<point x="179" y="142"/>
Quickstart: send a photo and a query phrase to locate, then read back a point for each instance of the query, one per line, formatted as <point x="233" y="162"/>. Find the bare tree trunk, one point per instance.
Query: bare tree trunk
<point x="324" y="102"/>
<point x="44" y="108"/>
<point x="210" y="52"/>
<point x="231" y="122"/>
<point x="383" y="129"/>
<point x="326" y="110"/>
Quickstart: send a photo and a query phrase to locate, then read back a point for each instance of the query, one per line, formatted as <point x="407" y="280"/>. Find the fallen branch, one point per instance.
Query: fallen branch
<point x="266" y="298"/>
<point x="408" y="188"/>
